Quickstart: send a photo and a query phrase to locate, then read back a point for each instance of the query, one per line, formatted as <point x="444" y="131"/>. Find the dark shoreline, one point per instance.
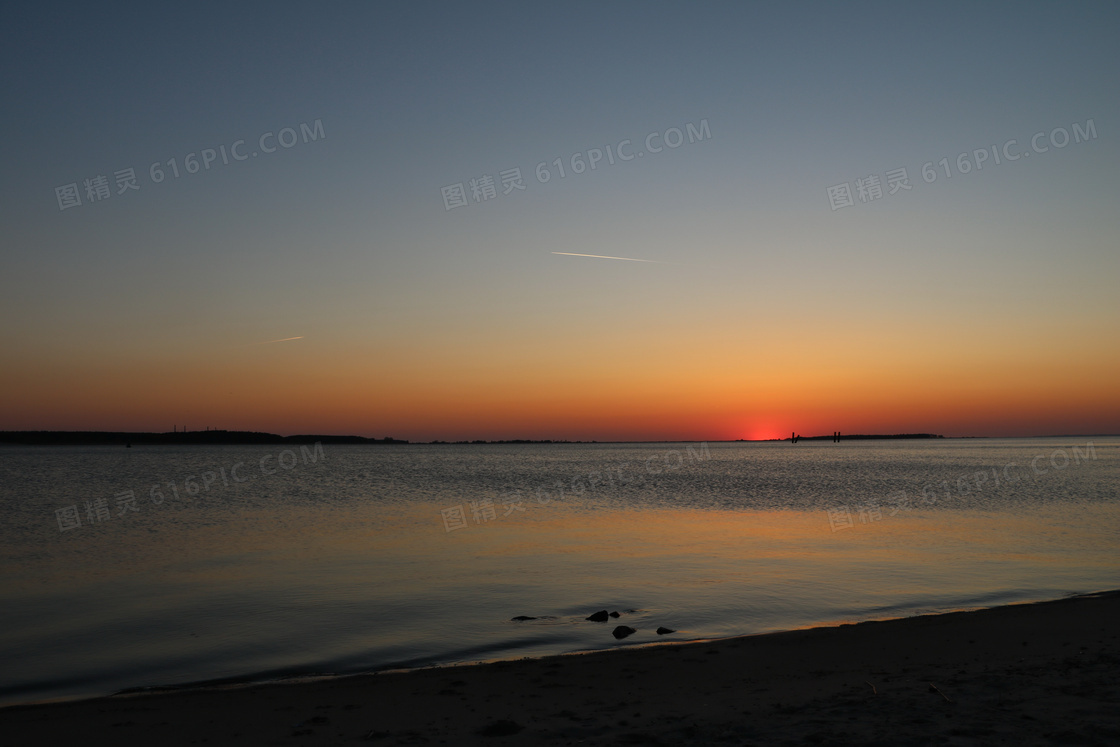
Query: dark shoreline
<point x="1036" y="673"/>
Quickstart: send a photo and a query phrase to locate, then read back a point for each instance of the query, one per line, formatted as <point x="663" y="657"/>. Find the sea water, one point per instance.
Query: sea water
<point x="163" y="566"/>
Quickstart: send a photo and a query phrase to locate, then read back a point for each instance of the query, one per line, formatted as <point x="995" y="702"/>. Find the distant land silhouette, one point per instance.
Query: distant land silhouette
<point x="223" y="437"/>
<point x="860" y="437"/>
<point x="207" y="437"/>
<point x="216" y="437"/>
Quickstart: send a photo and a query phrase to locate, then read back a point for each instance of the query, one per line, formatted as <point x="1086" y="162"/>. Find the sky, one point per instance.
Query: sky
<point x="323" y="229"/>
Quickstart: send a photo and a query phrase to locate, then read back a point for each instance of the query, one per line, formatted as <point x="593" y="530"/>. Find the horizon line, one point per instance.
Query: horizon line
<point x="481" y="441"/>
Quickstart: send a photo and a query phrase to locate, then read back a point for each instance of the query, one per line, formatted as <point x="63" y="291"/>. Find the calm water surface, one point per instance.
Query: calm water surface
<point x="355" y="558"/>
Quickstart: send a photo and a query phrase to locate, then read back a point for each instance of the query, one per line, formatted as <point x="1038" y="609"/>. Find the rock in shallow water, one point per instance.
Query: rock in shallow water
<point x="519" y="618"/>
<point x="501" y="728"/>
<point x="600" y="616"/>
<point x="665" y="631"/>
<point x="615" y="614"/>
<point x="622" y="631"/>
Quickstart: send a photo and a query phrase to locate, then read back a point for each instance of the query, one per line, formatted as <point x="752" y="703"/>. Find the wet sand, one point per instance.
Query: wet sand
<point x="1041" y="673"/>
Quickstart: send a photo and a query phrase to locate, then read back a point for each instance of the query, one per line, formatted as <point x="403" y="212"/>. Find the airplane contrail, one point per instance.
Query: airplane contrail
<point x="628" y="259"/>
<point x="266" y="342"/>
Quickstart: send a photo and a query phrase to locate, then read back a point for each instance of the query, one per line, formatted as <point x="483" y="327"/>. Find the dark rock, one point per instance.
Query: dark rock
<point x="501" y="728"/>
<point x="622" y="631"/>
<point x="665" y="631"/>
<point x="600" y="616"/>
<point x="520" y="618"/>
<point x="615" y="614"/>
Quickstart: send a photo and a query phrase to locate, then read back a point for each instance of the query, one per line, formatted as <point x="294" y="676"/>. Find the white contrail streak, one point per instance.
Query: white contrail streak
<point x="266" y="342"/>
<point x="627" y="259"/>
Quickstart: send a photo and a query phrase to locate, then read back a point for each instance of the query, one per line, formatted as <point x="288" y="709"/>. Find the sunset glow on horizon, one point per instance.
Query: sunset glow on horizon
<point x="329" y="236"/>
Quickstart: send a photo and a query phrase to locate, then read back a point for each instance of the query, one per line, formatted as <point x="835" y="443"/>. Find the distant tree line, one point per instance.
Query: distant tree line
<point x="207" y="437"/>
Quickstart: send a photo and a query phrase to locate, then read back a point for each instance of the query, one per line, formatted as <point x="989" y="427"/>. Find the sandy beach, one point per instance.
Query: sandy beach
<point x="1040" y="673"/>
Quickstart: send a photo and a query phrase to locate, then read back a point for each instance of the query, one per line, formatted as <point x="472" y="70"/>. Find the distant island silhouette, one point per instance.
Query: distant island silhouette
<point x="837" y="437"/>
<point x="178" y="437"/>
<point x="218" y="437"/>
